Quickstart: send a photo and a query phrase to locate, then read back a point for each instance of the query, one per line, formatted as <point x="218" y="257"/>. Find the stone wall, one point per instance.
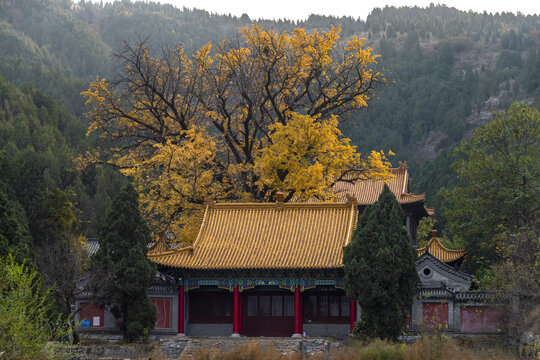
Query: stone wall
<point x="184" y="348"/>
<point x="339" y="331"/>
<point x="190" y="346"/>
<point x="209" y="329"/>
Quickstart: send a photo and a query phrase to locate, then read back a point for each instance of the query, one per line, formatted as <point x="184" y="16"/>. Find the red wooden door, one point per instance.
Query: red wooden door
<point x="163" y="313"/>
<point x="268" y="314"/>
<point x="435" y="315"/>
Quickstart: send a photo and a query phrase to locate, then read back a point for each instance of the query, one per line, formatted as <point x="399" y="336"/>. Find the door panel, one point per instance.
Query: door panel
<point x="269" y="314"/>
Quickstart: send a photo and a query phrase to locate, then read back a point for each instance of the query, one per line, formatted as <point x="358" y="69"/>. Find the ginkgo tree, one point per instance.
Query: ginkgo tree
<point x="237" y="121"/>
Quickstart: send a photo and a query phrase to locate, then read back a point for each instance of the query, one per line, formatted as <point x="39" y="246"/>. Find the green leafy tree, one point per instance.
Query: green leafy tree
<point x="61" y="252"/>
<point x="14" y="236"/>
<point x="495" y="209"/>
<point x="121" y="273"/>
<point x="380" y="269"/>
<point x="26" y="328"/>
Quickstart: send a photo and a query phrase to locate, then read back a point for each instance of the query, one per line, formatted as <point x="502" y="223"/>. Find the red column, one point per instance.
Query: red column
<point x="181" y="309"/>
<point x="236" y="310"/>
<point x="241" y="314"/>
<point x="297" y="312"/>
<point x="353" y="315"/>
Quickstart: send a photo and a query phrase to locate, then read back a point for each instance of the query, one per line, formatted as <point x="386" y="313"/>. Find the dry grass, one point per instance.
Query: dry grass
<point x="249" y="351"/>
<point x="436" y="347"/>
<point x="431" y="347"/>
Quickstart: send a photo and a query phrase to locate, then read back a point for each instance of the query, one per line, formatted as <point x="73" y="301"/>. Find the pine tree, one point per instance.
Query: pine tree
<point x="121" y="273"/>
<point x="380" y="269"/>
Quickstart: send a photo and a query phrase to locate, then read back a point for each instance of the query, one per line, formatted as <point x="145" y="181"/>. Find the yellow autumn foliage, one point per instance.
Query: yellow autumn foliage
<point x="235" y="121"/>
<point x="308" y="155"/>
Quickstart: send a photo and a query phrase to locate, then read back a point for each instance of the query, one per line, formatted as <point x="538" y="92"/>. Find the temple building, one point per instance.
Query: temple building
<point x="264" y="269"/>
<point x="276" y="269"/>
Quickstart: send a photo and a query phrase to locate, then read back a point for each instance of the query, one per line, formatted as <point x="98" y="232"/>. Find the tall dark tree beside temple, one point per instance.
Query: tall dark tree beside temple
<point x="380" y="270"/>
<point x="121" y="273"/>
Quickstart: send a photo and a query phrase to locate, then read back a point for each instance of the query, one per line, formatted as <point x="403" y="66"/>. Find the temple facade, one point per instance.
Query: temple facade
<point x="264" y="269"/>
<point x="275" y="269"/>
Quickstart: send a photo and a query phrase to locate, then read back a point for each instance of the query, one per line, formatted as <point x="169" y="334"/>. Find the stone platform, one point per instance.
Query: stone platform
<point x="185" y="348"/>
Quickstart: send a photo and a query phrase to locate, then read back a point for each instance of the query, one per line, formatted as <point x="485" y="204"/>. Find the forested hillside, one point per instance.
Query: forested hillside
<point x="446" y="70"/>
<point x="39" y="141"/>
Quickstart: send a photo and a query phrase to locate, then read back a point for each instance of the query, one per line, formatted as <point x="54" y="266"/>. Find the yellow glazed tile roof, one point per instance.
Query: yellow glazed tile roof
<point x="437" y="249"/>
<point x="368" y="191"/>
<point x="266" y="236"/>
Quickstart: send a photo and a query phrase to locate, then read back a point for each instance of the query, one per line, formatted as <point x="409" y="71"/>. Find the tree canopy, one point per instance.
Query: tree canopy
<point x="380" y="269"/>
<point x="14" y="235"/>
<point x="120" y="271"/>
<point x="190" y="127"/>
<point x="495" y="208"/>
<point x="61" y="252"/>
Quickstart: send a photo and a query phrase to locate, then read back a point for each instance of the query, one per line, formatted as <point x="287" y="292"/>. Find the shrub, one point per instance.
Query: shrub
<point x="381" y="350"/>
<point x="26" y="328"/>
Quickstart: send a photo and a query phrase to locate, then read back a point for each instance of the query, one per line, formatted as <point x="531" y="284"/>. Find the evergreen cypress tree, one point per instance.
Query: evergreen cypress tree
<point x="380" y="269"/>
<point x="121" y="272"/>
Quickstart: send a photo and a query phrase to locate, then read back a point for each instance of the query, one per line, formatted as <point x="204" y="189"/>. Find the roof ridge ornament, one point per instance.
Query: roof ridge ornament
<point x="160" y="245"/>
<point x="351" y="200"/>
<point x="402" y="165"/>
<point x="210" y="201"/>
<point x="280" y="198"/>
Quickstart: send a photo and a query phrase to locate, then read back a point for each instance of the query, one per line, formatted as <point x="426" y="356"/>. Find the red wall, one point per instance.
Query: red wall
<point x="435" y="315"/>
<point x="408" y="322"/>
<point x="163" y="313"/>
<point x="481" y="319"/>
<point x="89" y="311"/>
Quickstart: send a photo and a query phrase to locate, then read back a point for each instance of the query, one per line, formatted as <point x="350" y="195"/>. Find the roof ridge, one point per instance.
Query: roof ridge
<point x="435" y="245"/>
<point x="254" y="235"/>
<point x="433" y="239"/>
<point x="272" y="205"/>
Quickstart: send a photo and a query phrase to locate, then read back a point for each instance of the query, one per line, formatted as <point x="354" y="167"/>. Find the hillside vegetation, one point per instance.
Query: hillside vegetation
<point x="447" y="70"/>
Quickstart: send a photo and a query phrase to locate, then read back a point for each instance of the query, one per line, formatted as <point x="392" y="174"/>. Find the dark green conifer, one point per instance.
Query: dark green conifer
<point x="121" y="272"/>
<point x="14" y="235"/>
<point x="380" y="269"/>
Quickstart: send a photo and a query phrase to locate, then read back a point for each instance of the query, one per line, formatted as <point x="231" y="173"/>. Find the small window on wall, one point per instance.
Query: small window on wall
<point x="91" y="316"/>
<point x="252" y="302"/>
<point x="264" y="305"/>
<point x="288" y="305"/>
<point x="277" y="305"/>
<point x="326" y="308"/>
<point x="163" y="313"/>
